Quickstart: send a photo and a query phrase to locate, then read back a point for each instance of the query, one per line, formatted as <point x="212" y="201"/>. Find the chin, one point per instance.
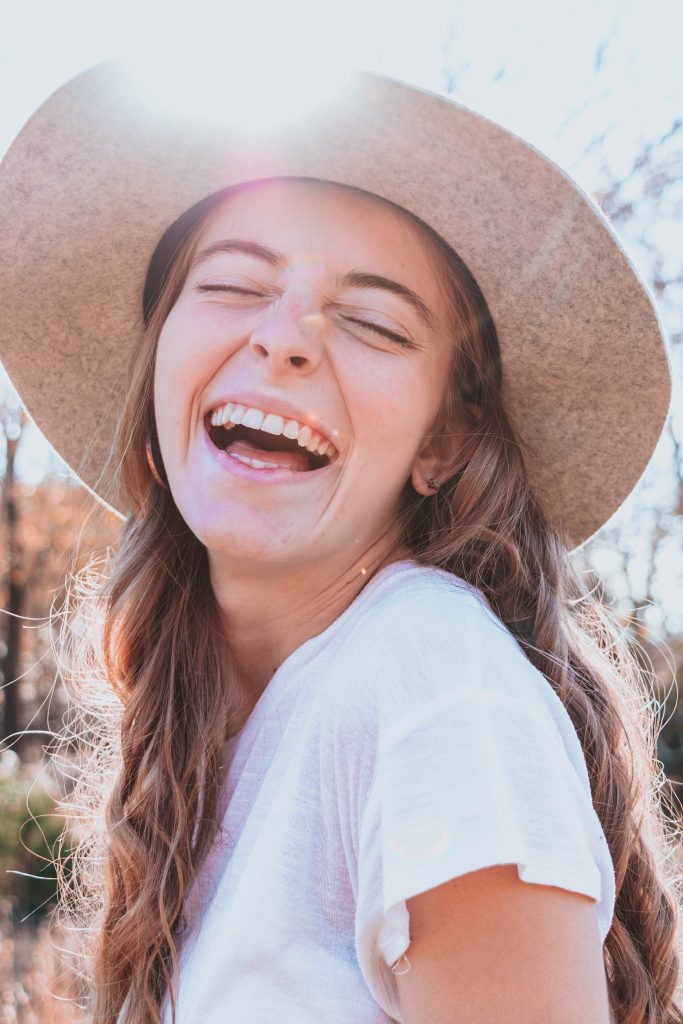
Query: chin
<point x="229" y="540"/>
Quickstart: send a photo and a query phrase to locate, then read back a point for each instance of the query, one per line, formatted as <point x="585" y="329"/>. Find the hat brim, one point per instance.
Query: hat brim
<point x="96" y="176"/>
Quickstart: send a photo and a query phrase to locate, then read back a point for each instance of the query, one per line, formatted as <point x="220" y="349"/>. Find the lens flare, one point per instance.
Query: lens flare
<point x="253" y="90"/>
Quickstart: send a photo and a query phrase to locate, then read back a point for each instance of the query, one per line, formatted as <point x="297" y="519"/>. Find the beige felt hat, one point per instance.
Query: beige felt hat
<point x="97" y="174"/>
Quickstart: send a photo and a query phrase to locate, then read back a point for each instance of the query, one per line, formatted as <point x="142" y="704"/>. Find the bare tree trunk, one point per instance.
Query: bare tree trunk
<point x="9" y="663"/>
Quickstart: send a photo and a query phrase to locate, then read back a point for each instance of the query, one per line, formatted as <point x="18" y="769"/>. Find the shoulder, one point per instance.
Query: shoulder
<point x="430" y="609"/>
<point x="430" y="617"/>
<point x="424" y="603"/>
<point x="428" y="635"/>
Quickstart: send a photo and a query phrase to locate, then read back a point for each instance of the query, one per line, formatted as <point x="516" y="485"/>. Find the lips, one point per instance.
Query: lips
<point x="272" y="404"/>
<point x="266" y="446"/>
<point x="271" y="448"/>
<point x="265" y="477"/>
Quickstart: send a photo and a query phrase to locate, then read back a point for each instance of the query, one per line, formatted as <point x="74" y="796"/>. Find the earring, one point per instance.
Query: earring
<point x="150" y="461"/>
<point x="432" y="484"/>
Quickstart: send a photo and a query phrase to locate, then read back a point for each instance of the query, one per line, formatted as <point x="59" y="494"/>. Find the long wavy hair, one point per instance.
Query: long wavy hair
<point x="154" y="681"/>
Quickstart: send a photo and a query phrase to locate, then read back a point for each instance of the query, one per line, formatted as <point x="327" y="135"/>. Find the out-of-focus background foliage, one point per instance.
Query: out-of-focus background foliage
<point x="595" y="85"/>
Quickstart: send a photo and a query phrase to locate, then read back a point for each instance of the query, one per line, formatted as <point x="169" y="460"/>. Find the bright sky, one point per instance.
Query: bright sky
<point x="530" y="64"/>
<point x="559" y="74"/>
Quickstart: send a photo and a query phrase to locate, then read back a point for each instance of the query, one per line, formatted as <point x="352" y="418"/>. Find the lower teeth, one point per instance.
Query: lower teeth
<point x="256" y="463"/>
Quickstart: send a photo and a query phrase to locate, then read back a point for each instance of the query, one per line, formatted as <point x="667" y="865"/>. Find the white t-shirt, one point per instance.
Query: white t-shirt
<point x="409" y="742"/>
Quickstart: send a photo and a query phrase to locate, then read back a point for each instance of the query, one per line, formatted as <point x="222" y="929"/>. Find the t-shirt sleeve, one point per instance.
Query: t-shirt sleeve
<point x="475" y="770"/>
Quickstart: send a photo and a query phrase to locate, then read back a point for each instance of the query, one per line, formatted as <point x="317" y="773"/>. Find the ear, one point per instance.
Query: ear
<point x="444" y="451"/>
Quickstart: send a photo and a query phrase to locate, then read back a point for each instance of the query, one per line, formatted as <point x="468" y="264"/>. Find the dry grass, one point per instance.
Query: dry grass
<point x="36" y="984"/>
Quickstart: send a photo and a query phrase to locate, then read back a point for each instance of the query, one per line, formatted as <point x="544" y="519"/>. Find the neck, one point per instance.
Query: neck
<point x="268" y="612"/>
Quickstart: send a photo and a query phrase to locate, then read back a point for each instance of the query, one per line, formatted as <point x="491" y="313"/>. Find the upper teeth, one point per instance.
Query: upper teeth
<point x="232" y="413"/>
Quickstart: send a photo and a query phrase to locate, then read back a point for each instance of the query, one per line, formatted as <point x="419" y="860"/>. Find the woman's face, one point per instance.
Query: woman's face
<point x="287" y="324"/>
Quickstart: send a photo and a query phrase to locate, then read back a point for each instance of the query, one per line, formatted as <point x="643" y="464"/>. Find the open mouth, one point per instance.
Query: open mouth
<point x="270" y="448"/>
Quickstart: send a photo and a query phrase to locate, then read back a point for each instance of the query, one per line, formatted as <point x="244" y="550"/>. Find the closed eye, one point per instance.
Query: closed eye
<point x="382" y="330"/>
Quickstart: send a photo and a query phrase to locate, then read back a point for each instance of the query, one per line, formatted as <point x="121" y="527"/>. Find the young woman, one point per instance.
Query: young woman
<point x="358" y="389"/>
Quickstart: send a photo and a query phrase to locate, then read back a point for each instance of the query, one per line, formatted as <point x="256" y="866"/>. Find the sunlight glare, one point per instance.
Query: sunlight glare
<point x="235" y="86"/>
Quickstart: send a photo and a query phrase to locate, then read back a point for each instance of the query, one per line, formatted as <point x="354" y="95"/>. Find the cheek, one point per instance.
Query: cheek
<point x="182" y="342"/>
<point x="393" y="416"/>
<point x="189" y="351"/>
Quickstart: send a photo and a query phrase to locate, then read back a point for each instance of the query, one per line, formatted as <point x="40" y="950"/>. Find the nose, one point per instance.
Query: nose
<point x="291" y="333"/>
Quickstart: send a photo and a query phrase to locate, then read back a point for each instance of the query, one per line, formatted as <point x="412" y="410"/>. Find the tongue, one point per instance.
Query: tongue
<point x="288" y="460"/>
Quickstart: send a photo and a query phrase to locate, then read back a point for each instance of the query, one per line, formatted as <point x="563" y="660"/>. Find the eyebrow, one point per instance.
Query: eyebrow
<point x="352" y="279"/>
<point x="360" y="279"/>
<point x="275" y="259"/>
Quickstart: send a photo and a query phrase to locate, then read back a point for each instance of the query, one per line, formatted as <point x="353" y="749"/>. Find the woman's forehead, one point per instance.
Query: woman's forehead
<point x="288" y="205"/>
<point x="323" y="223"/>
<point x="285" y="194"/>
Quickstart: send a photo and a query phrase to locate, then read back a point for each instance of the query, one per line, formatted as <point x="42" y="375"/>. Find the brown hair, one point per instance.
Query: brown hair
<point x="148" y="795"/>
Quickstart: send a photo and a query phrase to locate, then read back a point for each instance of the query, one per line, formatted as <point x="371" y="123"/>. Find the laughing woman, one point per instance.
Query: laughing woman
<point x="357" y="389"/>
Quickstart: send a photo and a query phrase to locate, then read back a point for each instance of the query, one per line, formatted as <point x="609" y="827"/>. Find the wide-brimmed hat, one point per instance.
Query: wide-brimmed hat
<point x="97" y="175"/>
